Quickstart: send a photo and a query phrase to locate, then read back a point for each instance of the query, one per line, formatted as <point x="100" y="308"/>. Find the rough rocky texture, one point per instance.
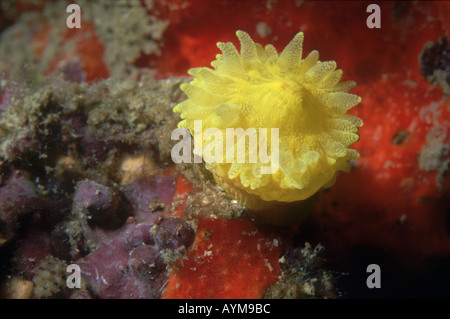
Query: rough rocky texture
<point x="141" y="33"/>
<point x="435" y="63"/>
<point x="173" y="233"/>
<point x="303" y="276"/>
<point x="91" y="166"/>
<point x="131" y="264"/>
<point x="49" y="277"/>
<point x="68" y="142"/>
<point x="16" y="193"/>
<point x="44" y="128"/>
<point x="102" y="206"/>
<point x="39" y="43"/>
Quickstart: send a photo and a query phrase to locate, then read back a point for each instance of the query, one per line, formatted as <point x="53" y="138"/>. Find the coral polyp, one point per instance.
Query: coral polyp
<point x="257" y="88"/>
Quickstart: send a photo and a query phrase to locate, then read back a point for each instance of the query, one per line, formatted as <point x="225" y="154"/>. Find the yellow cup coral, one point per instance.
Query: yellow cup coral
<point x="259" y="88"/>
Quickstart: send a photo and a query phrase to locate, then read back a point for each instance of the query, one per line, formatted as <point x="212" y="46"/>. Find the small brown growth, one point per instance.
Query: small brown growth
<point x="400" y="137"/>
<point x="207" y="234"/>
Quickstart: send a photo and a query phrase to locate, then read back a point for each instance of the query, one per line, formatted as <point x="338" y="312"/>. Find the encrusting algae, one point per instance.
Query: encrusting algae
<point x="261" y="89"/>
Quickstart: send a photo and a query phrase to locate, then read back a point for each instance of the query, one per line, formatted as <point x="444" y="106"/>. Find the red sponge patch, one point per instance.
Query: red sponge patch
<point x="230" y="259"/>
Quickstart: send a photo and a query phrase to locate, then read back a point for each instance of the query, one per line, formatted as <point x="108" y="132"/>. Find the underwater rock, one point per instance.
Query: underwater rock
<point x="173" y="233"/>
<point x="95" y="51"/>
<point x="23" y="147"/>
<point x="146" y="261"/>
<point x="140" y="234"/>
<point x="27" y="221"/>
<point x="103" y="206"/>
<point x="126" y="262"/>
<point x="435" y="63"/>
<point x="435" y="56"/>
<point x="303" y="276"/>
<point x="15" y="196"/>
<point x="136" y="199"/>
<point x="95" y="149"/>
<point x="50" y="278"/>
<point x="144" y="191"/>
<point x="30" y="251"/>
<point x="126" y="266"/>
<point x="40" y="234"/>
<point x="106" y="272"/>
<point x="60" y="246"/>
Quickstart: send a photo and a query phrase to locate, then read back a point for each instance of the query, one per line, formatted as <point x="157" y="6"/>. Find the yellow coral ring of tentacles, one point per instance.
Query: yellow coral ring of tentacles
<point x="261" y="89"/>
